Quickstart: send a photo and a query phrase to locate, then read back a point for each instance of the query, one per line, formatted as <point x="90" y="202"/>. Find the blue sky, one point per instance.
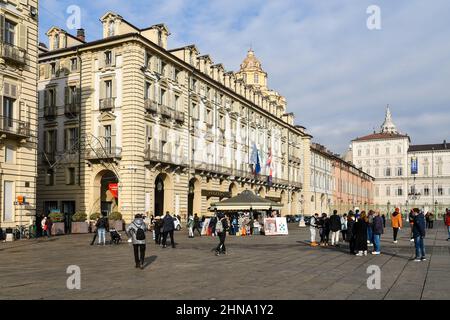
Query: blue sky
<point x="337" y="75"/>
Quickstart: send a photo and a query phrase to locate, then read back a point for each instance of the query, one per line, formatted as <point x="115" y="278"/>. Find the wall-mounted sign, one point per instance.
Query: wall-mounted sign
<point x="215" y="193"/>
<point x="21" y="201"/>
<point x="414" y="165"/>
<point x="113" y="188"/>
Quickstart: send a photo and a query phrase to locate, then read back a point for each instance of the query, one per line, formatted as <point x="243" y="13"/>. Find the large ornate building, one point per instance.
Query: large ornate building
<point x="128" y="125"/>
<point x="390" y="157"/>
<point x="18" y="111"/>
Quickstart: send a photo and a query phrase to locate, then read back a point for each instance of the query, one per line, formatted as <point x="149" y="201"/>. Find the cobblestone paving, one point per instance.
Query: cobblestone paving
<point x="256" y="267"/>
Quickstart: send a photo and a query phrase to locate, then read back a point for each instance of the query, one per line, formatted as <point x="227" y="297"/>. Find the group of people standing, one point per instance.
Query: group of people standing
<point x="362" y="230"/>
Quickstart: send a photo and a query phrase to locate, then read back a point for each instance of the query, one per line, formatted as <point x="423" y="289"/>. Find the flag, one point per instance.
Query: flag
<point x="258" y="165"/>
<point x="269" y="164"/>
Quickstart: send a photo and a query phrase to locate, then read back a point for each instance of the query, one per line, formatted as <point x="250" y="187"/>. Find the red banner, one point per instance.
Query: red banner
<point x="113" y="188"/>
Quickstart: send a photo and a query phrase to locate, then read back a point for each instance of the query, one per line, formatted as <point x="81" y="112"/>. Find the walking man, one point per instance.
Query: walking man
<point x="419" y="234"/>
<point x="136" y="231"/>
<point x="196" y="225"/>
<point x="168" y="228"/>
<point x="221" y="229"/>
<point x="313" y="226"/>
<point x="102" y="227"/>
<point x="397" y="223"/>
<point x="158" y="227"/>
<point x="377" y="232"/>
<point x="335" y="227"/>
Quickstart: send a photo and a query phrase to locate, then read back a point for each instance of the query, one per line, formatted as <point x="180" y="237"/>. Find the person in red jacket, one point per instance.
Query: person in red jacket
<point x="447" y="223"/>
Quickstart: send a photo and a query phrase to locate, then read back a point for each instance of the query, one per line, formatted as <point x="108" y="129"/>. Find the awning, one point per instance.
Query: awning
<point x="245" y="201"/>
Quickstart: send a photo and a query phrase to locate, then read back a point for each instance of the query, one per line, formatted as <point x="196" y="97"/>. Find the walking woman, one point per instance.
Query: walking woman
<point x="190" y="225"/>
<point x="221" y="229"/>
<point x="360" y="233"/>
<point x="397" y="223"/>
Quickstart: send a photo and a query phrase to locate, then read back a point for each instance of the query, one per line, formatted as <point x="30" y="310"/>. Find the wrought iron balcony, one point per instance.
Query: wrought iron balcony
<point x="71" y="109"/>
<point x="151" y="106"/>
<point x="179" y="116"/>
<point x="14" y="127"/>
<point x="166" y="111"/>
<point x="12" y="53"/>
<point x="104" y="153"/>
<point x="50" y="112"/>
<point x="107" y="104"/>
<point x="164" y="157"/>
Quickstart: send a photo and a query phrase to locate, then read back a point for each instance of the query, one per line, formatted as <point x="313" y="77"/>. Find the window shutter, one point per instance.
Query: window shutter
<point x="22" y="36"/>
<point x="46" y="98"/>
<point x="66" y="95"/>
<point x="2" y="27"/>
<point x="102" y="89"/>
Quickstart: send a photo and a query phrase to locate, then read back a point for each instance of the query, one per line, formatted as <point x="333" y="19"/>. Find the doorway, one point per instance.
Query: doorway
<point x="159" y="196"/>
<point x="68" y="209"/>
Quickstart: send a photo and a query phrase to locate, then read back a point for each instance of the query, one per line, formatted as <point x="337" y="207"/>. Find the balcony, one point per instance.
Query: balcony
<point x="12" y="53"/>
<point x="71" y="109"/>
<point x="164" y="157"/>
<point x="104" y="153"/>
<point x="166" y="111"/>
<point x="151" y="106"/>
<point x="179" y="116"/>
<point x="14" y="127"/>
<point x="107" y="104"/>
<point x="50" y="112"/>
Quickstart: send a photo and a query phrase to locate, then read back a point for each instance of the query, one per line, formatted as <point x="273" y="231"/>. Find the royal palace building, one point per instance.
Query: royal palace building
<point x="18" y="111"/>
<point x="128" y="125"/>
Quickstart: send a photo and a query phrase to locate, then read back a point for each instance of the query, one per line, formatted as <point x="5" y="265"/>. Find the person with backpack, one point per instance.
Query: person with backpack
<point x="102" y="227"/>
<point x="221" y="229"/>
<point x="335" y="227"/>
<point x="136" y="231"/>
<point x="168" y="228"/>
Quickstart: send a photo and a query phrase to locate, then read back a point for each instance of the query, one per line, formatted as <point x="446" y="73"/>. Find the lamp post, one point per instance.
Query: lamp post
<point x="435" y="207"/>
<point x="388" y="206"/>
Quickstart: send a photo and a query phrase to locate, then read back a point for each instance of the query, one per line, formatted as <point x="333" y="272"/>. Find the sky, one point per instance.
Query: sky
<point x="336" y="73"/>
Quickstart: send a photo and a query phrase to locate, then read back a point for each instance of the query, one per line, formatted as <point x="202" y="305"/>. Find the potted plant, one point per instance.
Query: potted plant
<point x="57" y="220"/>
<point x="93" y="218"/>
<point x="115" y="221"/>
<point x="79" y="224"/>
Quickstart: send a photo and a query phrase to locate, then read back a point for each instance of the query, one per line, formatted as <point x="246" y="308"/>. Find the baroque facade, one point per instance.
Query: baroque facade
<point x="18" y="111"/>
<point x="388" y="155"/>
<point x="128" y="125"/>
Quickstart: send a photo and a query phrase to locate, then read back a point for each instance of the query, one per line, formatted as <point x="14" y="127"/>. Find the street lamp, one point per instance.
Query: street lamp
<point x="388" y="206"/>
<point x="435" y="207"/>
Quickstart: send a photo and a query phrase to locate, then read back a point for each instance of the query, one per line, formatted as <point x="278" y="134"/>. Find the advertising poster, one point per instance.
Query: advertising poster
<point x="205" y="227"/>
<point x="275" y="227"/>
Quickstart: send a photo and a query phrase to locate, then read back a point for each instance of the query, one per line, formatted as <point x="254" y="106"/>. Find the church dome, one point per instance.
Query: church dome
<point x="251" y="62"/>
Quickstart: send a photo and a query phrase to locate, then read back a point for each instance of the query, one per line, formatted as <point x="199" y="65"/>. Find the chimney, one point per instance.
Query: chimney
<point x="81" y="35"/>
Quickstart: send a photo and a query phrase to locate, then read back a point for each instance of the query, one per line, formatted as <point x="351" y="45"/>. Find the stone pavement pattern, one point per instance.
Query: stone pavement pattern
<point x="256" y="267"/>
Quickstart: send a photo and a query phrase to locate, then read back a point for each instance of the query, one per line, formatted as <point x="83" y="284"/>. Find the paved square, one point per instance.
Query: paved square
<point x="256" y="267"/>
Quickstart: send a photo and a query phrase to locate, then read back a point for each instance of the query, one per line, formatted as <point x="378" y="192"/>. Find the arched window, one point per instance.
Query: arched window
<point x="111" y="29"/>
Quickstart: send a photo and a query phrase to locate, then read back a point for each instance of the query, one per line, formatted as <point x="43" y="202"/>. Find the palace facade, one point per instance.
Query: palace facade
<point x="18" y="111"/>
<point x="128" y="125"/>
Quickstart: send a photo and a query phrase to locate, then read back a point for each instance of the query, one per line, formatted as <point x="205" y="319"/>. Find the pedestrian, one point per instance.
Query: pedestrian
<point x="447" y="222"/>
<point x="360" y="233"/>
<point x="94" y="231"/>
<point x="49" y="224"/>
<point x="335" y="227"/>
<point x="212" y="225"/>
<point x="427" y="220"/>
<point x="157" y="228"/>
<point x="350" y="236"/>
<point x="203" y="221"/>
<point x="344" y="226"/>
<point x="431" y="220"/>
<point x="168" y="228"/>
<point x="377" y="231"/>
<point x="136" y="231"/>
<point x="44" y="226"/>
<point x="196" y="226"/>
<point x="370" y="228"/>
<point x="324" y="230"/>
<point x="190" y="226"/>
<point x="102" y="227"/>
<point x="384" y="220"/>
<point x="397" y="223"/>
<point x="411" y="224"/>
<point x="313" y="226"/>
<point x="221" y="229"/>
<point x="419" y="234"/>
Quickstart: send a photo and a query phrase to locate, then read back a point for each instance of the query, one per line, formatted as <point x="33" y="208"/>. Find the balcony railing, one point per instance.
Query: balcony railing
<point x="107" y="104"/>
<point x="12" y="53"/>
<point x="71" y="109"/>
<point x="179" y="116"/>
<point x="104" y="153"/>
<point x="15" y="127"/>
<point x="164" y="157"/>
<point x="166" y="111"/>
<point x="50" y="111"/>
<point x="151" y="106"/>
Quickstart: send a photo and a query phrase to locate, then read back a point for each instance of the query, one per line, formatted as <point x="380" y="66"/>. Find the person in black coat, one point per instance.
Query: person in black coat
<point x="197" y="225"/>
<point x="168" y="228"/>
<point x="419" y="234"/>
<point x="335" y="227"/>
<point x="350" y="236"/>
<point x="360" y="234"/>
<point x="158" y="227"/>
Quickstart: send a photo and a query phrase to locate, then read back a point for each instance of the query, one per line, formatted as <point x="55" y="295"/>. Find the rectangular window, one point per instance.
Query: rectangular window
<point x="177" y="103"/>
<point x="10" y="32"/>
<point x="53" y="68"/>
<point x="388" y="172"/>
<point x="108" y="138"/>
<point x="50" y="144"/>
<point x="399" y="172"/>
<point x="8" y="112"/>
<point x="108" y="58"/>
<point x="425" y="170"/>
<point x="71" y="138"/>
<point x="388" y="191"/>
<point x="70" y="176"/>
<point x="399" y="191"/>
<point x="148" y="90"/>
<point x="388" y="151"/>
<point x="440" y="191"/>
<point x="148" y="59"/>
<point x="73" y="64"/>
<point x="8" y="201"/>
<point x="108" y="89"/>
<point x="426" y="191"/>
<point x="9" y="154"/>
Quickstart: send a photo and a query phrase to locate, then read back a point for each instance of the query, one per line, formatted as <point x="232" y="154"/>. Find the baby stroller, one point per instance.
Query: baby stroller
<point x="115" y="236"/>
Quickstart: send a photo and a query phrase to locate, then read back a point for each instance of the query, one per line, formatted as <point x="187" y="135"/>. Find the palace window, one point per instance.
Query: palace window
<point x="399" y="172"/>
<point x="440" y="191"/>
<point x="73" y="64"/>
<point x="9" y="32"/>
<point x="111" y="29"/>
<point x="426" y="191"/>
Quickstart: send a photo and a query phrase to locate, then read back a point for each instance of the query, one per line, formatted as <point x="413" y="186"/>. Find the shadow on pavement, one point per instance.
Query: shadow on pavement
<point x="149" y="260"/>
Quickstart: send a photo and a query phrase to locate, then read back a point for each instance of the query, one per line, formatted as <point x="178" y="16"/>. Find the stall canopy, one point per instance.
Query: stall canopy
<point x="245" y="201"/>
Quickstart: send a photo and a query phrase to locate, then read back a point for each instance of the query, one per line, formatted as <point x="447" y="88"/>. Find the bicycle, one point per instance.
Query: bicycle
<point x="21" y="232"/>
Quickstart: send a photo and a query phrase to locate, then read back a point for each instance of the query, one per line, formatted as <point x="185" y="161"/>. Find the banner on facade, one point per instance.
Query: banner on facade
<point x="113" y="188"/>
<point x="275" y="226"/>
<point x="215" y="193"/>
<point x="414" y="165"/>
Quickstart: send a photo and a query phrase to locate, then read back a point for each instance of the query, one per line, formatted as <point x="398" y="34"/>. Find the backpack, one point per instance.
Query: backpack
<point x="140" y="234"/>
<point x="219" y="226"/>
